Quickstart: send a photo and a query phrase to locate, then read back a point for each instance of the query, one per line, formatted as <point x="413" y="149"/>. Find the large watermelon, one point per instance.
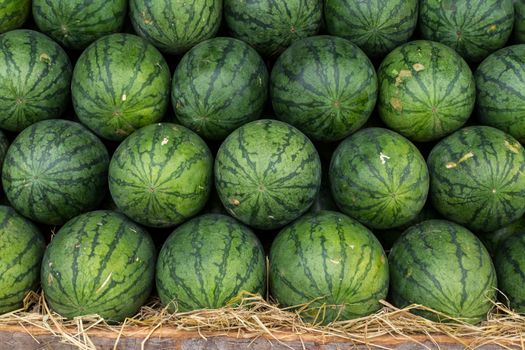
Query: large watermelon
<point x="477" y="178"/>
<point x="120" y="83"/>
<point x="99" y="263"/>
<point x="325" y="86"/>
<point x="13" y="13"/>
<point x="21" y="250"/>
<point x="510" y="267"/>
<point x="219" y="85"/>
<point x="161" y="175"/>
<point x="175" y="26"/>
<point x="473" y="28"/>
<point x="519" y="21"/>
<point x="54" y="170"/>
<point x="270" y="26"/>
<point x="331" y="260"/>
<point x="376" y="26"/>
<point x="379" y="178"/>
<point x="426" y="90"/>
<point x="77" y="23"/>
<point x="208" y="262"/>
<point x="267" y="173"/>
<point x="35" y="75"/>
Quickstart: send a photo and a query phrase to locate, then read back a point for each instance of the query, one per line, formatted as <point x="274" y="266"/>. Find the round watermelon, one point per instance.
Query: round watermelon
<point x="493" y="239"/>
<point x="161" y="175"/>
<point x="35" y="75"/>
<point x="519" y="21"/>
<point x="219" y="85"/>
<point x="13" y="14"/>
<point x="326" y="104"/>
<point x="426" y="90"/>
<point x="99" y="263"/>
<point x="510" y="267"/>
<point x="267" y="173"/>
<point x="332" y="261"/>
<point x="477" y="178"/>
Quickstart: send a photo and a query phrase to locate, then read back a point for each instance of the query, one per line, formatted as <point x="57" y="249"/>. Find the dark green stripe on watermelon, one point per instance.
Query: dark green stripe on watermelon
<point x="13" y="14"/>
<point x="519" y="21"/>
<point x="510" y="267"/>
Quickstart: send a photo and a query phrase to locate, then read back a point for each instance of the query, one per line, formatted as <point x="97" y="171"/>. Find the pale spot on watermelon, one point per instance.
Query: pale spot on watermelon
<point x="44" y="57"/>
<point x="49" y="277"/>
<point x="337" y="262"/>
<point x="104" y="283"/>
<point x="492" y="28"/>
<point x="164" y="141"/>
<point x="452" y="165"/>
<point x="404" y="73"/>
<point x="124" y="97"/>
<point x="234" y="201"/>
<point x="494" y="191"/>
<point x="513" y="147"/>
<point x="383" y="157"/>
<point x="396" y="104"/>
<point x="418" y="67"/>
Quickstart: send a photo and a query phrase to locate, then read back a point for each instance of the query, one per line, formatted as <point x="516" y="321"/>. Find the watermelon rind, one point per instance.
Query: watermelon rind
<point x="13" y="14"/>
<point x="510" y="267"/>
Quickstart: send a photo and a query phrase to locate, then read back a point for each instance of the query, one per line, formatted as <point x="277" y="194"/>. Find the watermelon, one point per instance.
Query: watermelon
<point x="120" y="83"/>
<point x="473" y="28"/>
<point x="161" y="175"/>
<point x="55" y="170"/>
<point x="477" y="178"/>
<point x="270" y="26"/>
<point x="426" y="90"/>
<point x="176" y="26"/>
<point x="379" y="178"/>
<point x="219" y="85"/>
<point x="77" y="23"/>
<point x="510" y="267"/>
<point x="332" y="261"/>
<point x="376" y="26"/>
<point x="267" y="173"/>
<point x="208" y="262"/>
<point x="325" y="86"/>
<point x="35" y="75"/>
<point x="99" y="263"/>
<point x="443" y="266"/>
<point x="519" y="21"/>
<point x="13" y="14"/>
<point x="493" y="239"/>
<point x="21" y="247"/>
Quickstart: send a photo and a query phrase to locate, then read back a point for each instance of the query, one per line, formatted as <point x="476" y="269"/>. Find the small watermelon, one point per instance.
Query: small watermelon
<point x="493" y="239"/>
<point x="519" y="21"/>
<point x="35" y="75"/>
<point x="477" y="178"/>
<point x="510" y="267"/>
<point x="13" y="14"/>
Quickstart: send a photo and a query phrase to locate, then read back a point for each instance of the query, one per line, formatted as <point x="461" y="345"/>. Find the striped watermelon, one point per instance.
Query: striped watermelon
<point x="176" y="26"/>
<point x="120" y="83"/>
<point x="376" y="26"/>
<point x="270" y="26"/>
<point x="219" y="85"/>
<point x="493" y="239"/>
<point x="325" y="86"/>
<point x="161" y="175"/>
<point x="208" y="262"/>
<point x="77" y="23"/>
<point x="426" y="90"/>
<point x="379" y="178"/>
<point x="54" y="170"/>
<point x="13" y="14"/>
<point x="21" y="247"/>
<point x="267" y="173"/>
<point x="477" y="178"/>
<point x="519" y="21"/>
<point x="443" y="266"/>
<point x="99" y="263"/>
<point x="510" y="267"/>
<point x="473" y="28"/>
<point x="332" y="259"/>
<point x="35" y="75"/>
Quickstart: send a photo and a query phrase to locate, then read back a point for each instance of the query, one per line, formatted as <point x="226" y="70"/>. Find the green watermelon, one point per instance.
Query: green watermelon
<point x="426" y="90"/>
<point x="120" y="83"/>
<point x="379" y="178"/>
<point x="331" y="260"/>
<point x="473" y="28"/>
<point x="21" y="247"/>
<point x="267" y="173"/>
<point x="176" y="26"/>
<point x="325" y="86"/>
<point x="161" y="175"/>
<point x="477" y="178"/>
<point x="77" y="23"/>
<point x="510" y="267"/>
<point x="13" y="14"/>
<point x="443" y="266"/>
<point x="55" y="170"/>
<point x="519" y="21"/>
<point x="493" y="239"/>
<point x="208" y="262"/>
<point x="270" y="26"/>
<point x="219" y="85"/>
<point x="99" y="263"/>
<point x="376" y="26"/>
<point x="35" y="75"/>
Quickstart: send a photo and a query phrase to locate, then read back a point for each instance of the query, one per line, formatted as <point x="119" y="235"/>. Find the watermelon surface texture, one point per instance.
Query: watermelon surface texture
<point x="13" y="14"/>
<point x="120" y="83"/>
<point x="267" y="173"/>
<point x="426" y="90"/>
<point x="519" y="21"/>
<point x="477" y="178"/>
<point x="219" y="85"/>
<point x="443" y="266"/>
<point x="99" y="263"/>
<point x="35" y="75"/>
<point x="493" y="239"/>
<point x="55" y="170"/>
<point x="208" y="262"/>
<point x="510" y="267"/>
